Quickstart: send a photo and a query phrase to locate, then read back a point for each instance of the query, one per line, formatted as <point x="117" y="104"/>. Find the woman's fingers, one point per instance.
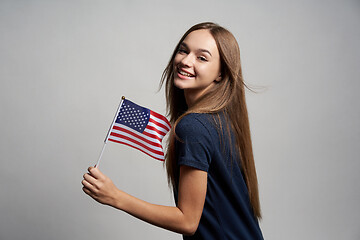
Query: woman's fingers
<point x="87" y="191"/>
<point x="89" y="178"/>
<point x="86" y="184"/>
<point x="95" y="172"/>
<point x="94" y="177"/>
<point x="95" y="180"/>
<point x="99" y="186"/>
<point x="92" y="180"/>
<point x="89" y="168"/>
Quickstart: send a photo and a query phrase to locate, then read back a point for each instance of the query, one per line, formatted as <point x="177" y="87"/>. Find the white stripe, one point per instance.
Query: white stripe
<point x="139" y="140"/>
<point x="158" y="127"/>
<point x="155" y="133"/>
<point x="160" y="121"/>
<point x="133" y="144"/>
<point x="135" y="132"/>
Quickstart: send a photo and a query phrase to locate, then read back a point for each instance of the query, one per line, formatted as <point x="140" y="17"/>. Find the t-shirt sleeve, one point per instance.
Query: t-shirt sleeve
<point x="194" y="144"/>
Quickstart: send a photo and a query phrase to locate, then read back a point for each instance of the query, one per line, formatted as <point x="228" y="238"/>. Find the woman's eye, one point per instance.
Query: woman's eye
<point x="202" y="59"/>
<point x="181" y="51"/>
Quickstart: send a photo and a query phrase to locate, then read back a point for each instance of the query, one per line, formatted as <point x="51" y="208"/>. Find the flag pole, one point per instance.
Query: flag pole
<point x="107" y="135"/>
<point x="102" y="151"/>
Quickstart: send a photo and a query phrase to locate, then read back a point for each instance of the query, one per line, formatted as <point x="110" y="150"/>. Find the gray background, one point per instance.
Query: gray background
<point x="65" y="64"/>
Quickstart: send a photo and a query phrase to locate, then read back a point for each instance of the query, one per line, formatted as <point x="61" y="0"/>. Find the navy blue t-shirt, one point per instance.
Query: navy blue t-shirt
<point x="227" y="212"/>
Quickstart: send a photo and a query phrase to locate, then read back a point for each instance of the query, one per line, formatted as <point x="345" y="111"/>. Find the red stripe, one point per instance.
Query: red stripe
<point x="136" y="142"/>
<point x="159" y="124"/>
<point x="156" y="130"/>
<point x="136" y="148"/>
<point x="138" y="135"/>
<point x="160" y="117"/>
<point x="119" y="135"/>
<point x="152" y="135"/>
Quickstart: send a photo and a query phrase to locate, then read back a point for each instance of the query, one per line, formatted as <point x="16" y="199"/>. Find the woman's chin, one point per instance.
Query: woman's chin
<point x="179" y="83"/>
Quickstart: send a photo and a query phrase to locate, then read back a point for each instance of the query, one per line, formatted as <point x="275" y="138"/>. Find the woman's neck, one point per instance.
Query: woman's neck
<point x="189" y="98"/>
<point x="192" y="95"/>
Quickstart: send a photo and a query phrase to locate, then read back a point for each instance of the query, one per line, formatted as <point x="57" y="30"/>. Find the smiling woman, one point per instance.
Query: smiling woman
<point x="209" y="160"/>
<point x="197" y="64"/>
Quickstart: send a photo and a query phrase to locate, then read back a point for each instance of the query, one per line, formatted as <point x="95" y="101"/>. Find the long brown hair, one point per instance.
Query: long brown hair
<point x="231" y="101"/>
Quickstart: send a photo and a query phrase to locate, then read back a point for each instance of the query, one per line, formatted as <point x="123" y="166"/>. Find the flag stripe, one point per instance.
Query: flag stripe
<point x="161" y="119"/>
<point x="160" y="126"/>
<point x="152" y="134"/>
<point x="137" y="144"/>
<point x="154" y="130"/>
<point x="148" y="133"/>
<point x="154" y="146"/>
<point x="118" y="128"/>
<point x="160" y="158"/>
<point x="158" y="122"/>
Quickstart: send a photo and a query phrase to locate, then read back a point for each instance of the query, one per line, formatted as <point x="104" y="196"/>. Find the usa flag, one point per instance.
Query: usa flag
<point x="140" y="128"/>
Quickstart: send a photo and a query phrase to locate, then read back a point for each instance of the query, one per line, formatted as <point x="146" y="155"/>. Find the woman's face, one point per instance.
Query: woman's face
<point x="197" y="64"/>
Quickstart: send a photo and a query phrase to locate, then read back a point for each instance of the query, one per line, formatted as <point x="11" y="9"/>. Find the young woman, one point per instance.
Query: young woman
<point x="209" y="158"/>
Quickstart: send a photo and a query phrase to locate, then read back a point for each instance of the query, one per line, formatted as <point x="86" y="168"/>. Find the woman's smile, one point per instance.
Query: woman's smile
<point x="184" y="74"/>
<point x="197" y="64"/>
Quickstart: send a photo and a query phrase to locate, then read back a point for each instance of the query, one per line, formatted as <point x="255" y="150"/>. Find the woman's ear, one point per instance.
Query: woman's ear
<point x="218" y="79"/>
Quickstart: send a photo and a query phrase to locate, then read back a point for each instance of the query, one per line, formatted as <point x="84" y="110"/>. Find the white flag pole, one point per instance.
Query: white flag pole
<point x="102" y="151"/>
<point x="107" y="135"/>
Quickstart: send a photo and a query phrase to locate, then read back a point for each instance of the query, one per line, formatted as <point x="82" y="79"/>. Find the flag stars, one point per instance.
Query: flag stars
<point x="133" y="116"/>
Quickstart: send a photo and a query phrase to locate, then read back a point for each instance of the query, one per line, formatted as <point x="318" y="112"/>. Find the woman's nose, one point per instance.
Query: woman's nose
<point x="187" y="60"/>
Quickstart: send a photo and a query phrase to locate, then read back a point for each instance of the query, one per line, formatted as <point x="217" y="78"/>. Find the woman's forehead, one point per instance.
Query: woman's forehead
<point x="201" y="39"/>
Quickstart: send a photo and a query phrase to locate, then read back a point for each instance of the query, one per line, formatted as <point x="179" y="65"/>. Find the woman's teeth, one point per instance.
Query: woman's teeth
<point x="185" y="74"/>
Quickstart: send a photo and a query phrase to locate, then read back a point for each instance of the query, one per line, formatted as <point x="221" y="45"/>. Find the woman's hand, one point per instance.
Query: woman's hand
<point x="100" y="187"/>
<point x="183" y="218"/>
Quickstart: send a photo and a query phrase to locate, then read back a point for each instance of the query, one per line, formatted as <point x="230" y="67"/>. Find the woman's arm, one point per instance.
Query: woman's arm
<point x="183" y="218"/>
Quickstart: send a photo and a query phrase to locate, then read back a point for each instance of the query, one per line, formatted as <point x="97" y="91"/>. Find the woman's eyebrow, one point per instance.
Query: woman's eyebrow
<point x="204" y="50"/>
<point x="184" y="45"/>
<point x="198" y="50"/>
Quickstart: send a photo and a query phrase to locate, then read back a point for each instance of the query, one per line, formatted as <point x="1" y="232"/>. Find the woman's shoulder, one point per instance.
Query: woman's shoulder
<point x="194" y="123"/>
<point x="195" y="119"/>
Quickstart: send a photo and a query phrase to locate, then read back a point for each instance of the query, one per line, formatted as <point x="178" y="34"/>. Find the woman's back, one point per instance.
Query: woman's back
<point x="227" y="211"/>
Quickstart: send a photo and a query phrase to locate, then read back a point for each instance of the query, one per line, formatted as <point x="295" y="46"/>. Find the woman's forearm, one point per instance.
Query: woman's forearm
<point x="183" y="218"/>
<point x="168" y="217"/>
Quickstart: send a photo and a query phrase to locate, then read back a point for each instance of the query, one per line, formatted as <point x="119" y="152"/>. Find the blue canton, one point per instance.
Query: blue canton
<point x="133" y="116"/>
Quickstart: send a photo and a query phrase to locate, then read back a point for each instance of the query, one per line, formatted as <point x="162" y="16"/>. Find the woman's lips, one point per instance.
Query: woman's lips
<point x="184" y="74"/>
